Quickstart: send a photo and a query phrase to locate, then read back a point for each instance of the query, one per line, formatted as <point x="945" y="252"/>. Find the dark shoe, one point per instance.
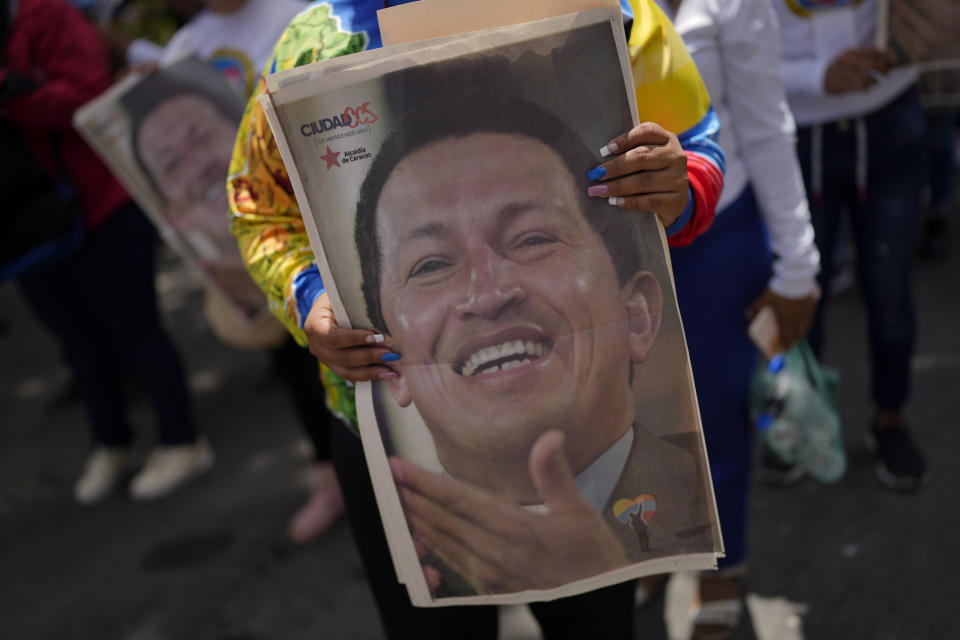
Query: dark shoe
<point x="934" y="239"/>
<point x="900" y="464"/>
<point x="774" y="472"/>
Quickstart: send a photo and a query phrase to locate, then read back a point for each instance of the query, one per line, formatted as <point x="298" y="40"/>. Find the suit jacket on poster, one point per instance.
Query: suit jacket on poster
<point x="656" y="469"/>
<point x="669" y="474"/>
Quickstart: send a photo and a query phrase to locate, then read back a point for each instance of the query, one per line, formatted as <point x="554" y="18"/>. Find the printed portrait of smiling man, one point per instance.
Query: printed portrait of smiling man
<point x="520" y="308"/>
<point x="506" y="307"/>
<point x="182" y="134"/>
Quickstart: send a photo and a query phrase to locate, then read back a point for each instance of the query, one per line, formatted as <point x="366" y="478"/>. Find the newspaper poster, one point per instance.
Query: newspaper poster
<point x="924" y="34"/>
<point x="540" y="435"/>
<point x="168" y="136"/>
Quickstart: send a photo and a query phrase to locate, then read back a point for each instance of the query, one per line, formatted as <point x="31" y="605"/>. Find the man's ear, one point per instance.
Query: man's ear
<point x="398" y="387"/>
<point x="643" y="299"/>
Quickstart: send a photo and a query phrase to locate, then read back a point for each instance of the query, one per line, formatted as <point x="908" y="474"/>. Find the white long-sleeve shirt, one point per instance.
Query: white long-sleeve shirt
<point x="811" y="40"/>
<point x="735" y="46"/>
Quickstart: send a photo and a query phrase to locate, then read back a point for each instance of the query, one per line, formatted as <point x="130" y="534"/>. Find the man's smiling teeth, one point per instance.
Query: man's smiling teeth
<point x="503" y="356"/>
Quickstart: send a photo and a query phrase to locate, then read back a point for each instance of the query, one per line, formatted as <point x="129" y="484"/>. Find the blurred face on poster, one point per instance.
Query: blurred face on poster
<point x="184" y="144"/>
<point x="507" y="308"/>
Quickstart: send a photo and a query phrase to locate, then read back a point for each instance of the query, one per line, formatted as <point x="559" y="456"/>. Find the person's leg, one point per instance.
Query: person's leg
<point x="300" y="372"/>
<point x="828" y="203"/>
<point x="400" y="619"/>
<point x="884" y="227"/>
<point x="56" y="296"/>
<point x="717" y="279"/>
<point x="57" y="300"/>
<point x="116" y="272"/>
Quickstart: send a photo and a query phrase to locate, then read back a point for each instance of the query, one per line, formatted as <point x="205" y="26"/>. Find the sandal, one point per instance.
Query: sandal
<point x="721" y="611"/>
<point x="718" y="619"/>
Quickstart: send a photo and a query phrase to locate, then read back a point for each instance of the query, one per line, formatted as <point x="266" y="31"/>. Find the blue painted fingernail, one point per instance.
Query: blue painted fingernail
<point x="597" y="173"/>
<point x="390" y="357"/>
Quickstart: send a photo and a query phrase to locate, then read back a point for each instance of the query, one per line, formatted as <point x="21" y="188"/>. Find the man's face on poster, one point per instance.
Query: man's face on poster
<point x="505" y="304"/>
<point x="185" y="144"/>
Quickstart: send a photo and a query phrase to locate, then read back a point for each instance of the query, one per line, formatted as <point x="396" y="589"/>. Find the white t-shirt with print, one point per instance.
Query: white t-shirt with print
<point x="238" y="44"/>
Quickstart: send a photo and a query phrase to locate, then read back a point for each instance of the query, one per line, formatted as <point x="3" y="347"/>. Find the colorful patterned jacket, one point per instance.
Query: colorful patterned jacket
<point x="265" y="216"/>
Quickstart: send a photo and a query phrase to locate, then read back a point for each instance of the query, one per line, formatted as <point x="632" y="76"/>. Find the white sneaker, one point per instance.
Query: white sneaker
<point x="102" y="470"/>
<point x="169" y="467"/>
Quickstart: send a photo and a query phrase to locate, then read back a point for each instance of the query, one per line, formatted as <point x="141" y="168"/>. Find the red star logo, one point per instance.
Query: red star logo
<point x="332" y="158"/>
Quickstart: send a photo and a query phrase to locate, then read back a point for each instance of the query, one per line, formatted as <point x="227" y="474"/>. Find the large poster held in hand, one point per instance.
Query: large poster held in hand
<point x="538" y="436"/>
<point x="168" y="136"/>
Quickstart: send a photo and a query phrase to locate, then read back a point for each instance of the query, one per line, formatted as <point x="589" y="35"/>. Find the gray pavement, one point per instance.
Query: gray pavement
<point x="851" y="561"/>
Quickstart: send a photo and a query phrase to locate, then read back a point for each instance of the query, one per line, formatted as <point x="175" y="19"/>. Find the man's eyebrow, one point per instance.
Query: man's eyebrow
<point x="512" y="210"/>
<point x="505" y="215"/>
<point x="429" y="230"/>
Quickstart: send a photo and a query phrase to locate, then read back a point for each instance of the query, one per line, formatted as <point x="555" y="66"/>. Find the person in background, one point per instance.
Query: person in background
<point x="236" y="37"/>
<point x="53" y="62"/>
<point x="272" y="238"/>
<point x="728" y="274"/>
<point x="862" y="147"/>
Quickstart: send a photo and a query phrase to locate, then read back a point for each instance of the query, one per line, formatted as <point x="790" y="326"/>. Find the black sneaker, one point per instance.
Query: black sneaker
<point x="900" y="464"/>
<point x="774" y="472"/>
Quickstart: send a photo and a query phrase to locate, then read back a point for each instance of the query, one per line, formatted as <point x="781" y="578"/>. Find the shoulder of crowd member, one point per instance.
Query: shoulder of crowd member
<point x="265" y="216"/>
<point x="671" y="93"/>
<point x="63" y="55"/>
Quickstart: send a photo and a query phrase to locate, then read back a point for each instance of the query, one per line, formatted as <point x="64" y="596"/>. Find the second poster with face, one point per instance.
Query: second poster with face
<point x="168" y="137"/>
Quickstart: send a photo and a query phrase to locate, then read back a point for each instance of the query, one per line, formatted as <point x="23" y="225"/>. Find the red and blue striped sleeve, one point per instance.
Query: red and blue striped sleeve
<point x="671" y="93"/>
<point x="706" y="165"/>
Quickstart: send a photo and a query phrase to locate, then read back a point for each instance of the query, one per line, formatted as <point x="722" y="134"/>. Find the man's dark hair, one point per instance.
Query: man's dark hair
<point x="460" y="98"/>
<point x="185" y="78"/>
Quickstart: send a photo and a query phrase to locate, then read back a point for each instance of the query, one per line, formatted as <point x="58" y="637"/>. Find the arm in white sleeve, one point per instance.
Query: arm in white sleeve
<point x="143" y="51"/>
<point x="182" y="43"/>
<point x="804" y="76"/>
<point x="765" y="133"/>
